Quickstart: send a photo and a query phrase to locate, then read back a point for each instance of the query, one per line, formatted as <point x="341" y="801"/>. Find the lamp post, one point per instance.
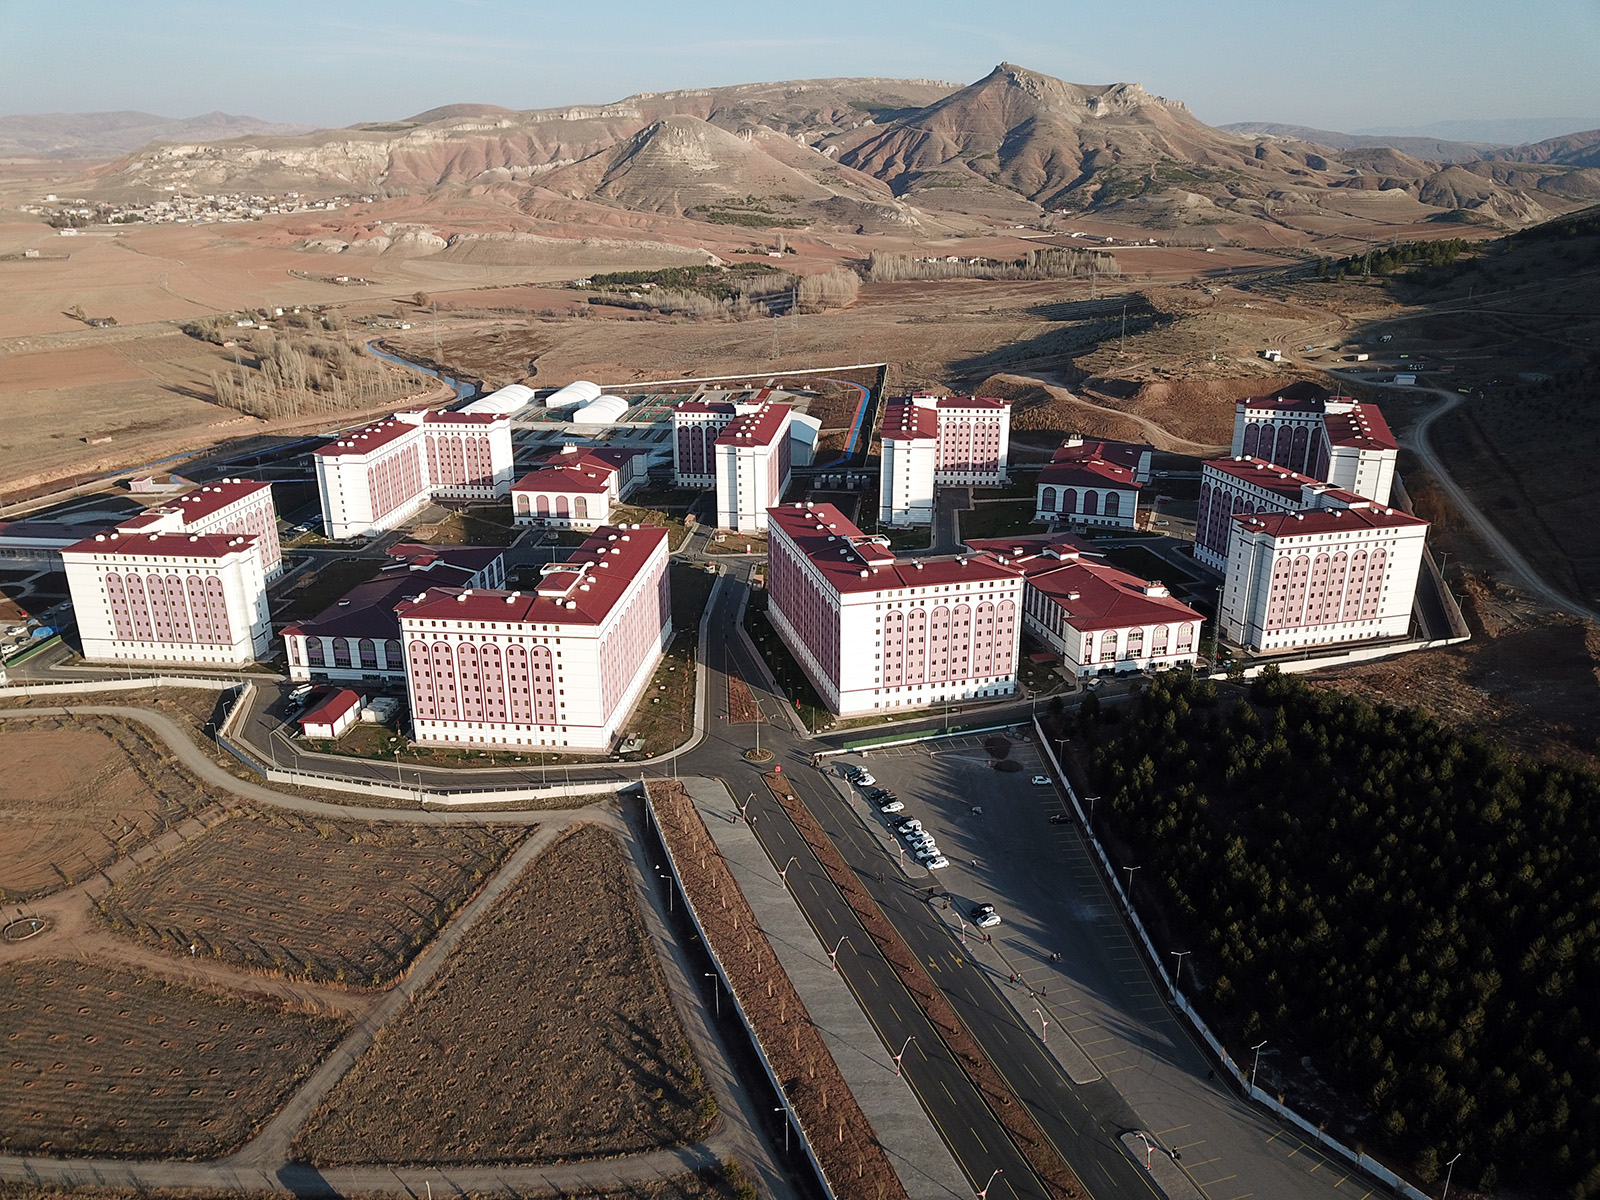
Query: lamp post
<point x="1130" y="871"/>
<point x="1449" y="1170"/>
<point x="1257" y="1063"/>
<point x="744" y="809"/>
<point x="666" y="879"/>
<point x="984" y="1193"/>
<point x="784" y="1110"/>
<point x="783" y="872"/>
<point x="1177" y="971"/>
<point x="963" y="931"/>
<point x="833" y="955"/>
<point x="902" y="1053"/>
<point x="716" y="990"/>
<point x="1093" y="800"/>
<point x="1044" y="1026"/>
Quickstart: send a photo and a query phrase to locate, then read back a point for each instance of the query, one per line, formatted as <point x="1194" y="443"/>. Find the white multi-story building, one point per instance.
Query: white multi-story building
<point x="874" y="633"/>
<point x="744" y="450"/>
<point x="1093" y="483"/>
<point x="1098" y="618"/>
<point x="1343" y="571"/>
<point x="357" y="638"/>
<point x="1333" y="439"/>
<point x="939" y="441"/>
<point x="374" y="478"/>
<point x="169" y="597"/>
<point x="575" y="488"/>
<point x="1230" y="486"/>
<point x="560" y="667"/>
<point x="226" y="507"/>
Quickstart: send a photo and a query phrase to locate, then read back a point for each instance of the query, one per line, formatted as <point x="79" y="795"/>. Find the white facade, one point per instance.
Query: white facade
<point x="753" y="458"/>
<point x="1332" y="439"/>
<point x="576" y="489"/>
<point x="560" y="669"/>
<point x="376" y="478"/>
<point x="1345" y="572"/>
<point x="874" y="634"/>
<point x="938" y="441"/>
<point x="169" y="598"/>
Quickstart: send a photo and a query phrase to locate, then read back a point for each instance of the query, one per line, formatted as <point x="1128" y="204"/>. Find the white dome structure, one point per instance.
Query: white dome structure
<point x="607" y="410"/>
<point x="578" y="392"/>
<point x="509" y="399"/>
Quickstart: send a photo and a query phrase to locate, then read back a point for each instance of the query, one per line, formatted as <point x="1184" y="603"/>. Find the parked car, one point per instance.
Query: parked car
<point x="892" y="806"/>
<point x="863" y="780"/>
<point x="909" y="824"/>
<point x="1042" y="780"/>
<point x="1061" y="818"/>
<point x="924" y="853"/>
<point x="937" y="863"/>
<point x="984" y="916"/>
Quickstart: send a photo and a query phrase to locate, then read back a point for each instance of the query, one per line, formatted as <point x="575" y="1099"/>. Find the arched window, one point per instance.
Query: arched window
<point x="314" y="654"/>
<point x="1069" y="500"/>
<point x="1047" y="500"/>
<point x="1113" y="504"/>
<point x="543" y="506"/>
<point x="1252" y="440"/>
<point x="562" y="508"/>
<point x="522" y="504"/>
<point x="1091" y="503"/>
<point x="580" y="507"/>
<point x="369" y="654"/>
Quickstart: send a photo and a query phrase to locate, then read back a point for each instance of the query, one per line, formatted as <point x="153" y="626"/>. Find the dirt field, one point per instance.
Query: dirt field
<point x="548" y="1036"/>
<point x="77" y="793"/>
<point x="103" y="1061"/>
<point x="679" y="1187"/>
<point x="315" y="900"/>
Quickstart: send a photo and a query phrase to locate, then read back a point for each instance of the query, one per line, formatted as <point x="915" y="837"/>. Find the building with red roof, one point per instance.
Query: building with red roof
<point x="575" y="488"/>
<point x="559" y="667"/>
<point x="164" y="597"/>
<point x="1330" y="438"/>
<point x="743" y="449"/>
<point x="226" y="507"/>
<point x="876" y="633"/>
<point x="332" y="714"/>
<point x="357" y="638"/>
<point x="1230" y="486"/>
<point x="1342" y="571"/>
<point x="1093" y="482"/>
<point x="374" y="478"/>
<point x="1098" y="618"/>
<point x="938" y="441"/>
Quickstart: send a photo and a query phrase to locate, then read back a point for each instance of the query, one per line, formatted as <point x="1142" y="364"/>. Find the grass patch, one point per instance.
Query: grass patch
<point x="794" y="682"/>
<point x="477" y="525"/>
<point x="986" y="520"/>
<point x="628" y="514"/>
<point x="548" y="1036"/>
<point x="738" y="543"/>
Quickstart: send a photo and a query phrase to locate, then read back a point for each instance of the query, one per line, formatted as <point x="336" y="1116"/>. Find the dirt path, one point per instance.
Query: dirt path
<point x="1159" y="437"/>
<point x="207" y="770"/>
<point x="1416" y="440"/>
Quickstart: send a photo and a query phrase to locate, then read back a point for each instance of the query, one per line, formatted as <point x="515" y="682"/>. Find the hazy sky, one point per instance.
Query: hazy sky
<point x="1332" y="64"/>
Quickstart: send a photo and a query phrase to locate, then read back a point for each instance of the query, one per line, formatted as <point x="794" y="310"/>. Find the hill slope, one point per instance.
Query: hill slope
<point x="107" y="134"/>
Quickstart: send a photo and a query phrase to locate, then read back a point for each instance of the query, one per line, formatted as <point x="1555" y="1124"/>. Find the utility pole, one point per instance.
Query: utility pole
<point x="1122" y="346"/>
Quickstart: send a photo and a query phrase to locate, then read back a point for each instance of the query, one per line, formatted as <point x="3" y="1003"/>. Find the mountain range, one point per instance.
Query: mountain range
<point x="885" y="155"/>
<point x="99" y="135"/>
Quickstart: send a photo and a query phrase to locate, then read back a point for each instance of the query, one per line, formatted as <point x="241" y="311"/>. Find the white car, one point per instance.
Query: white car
<point x="1042" y="780"/>
<point x="893" y="806"/>
<point x="919" y="841"/>
<point x="984" y="916"/>
<point x="861" y="779"/>
<point x="923" y="853"/>
<point x="937" y="863"/>
<point x="909" y="825"/>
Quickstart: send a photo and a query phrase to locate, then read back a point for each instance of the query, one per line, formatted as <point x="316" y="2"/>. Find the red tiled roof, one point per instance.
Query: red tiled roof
<point x="1095" y="596"/>
<point x="332" y="708"/>
<point x="853" y="562"/>
<point x="1263" y="474"/>
<point x="1089" y="472"/>
<point x="607" y="562"/>
<point x="972" y="402"/>
<point x="904" y="421"/>
<point x="169" y="545"/>
<point x="573" y="473"/>
<point x="1128" y="454"/>
<point x="214" y="497"/>
<point x="464" y="418"/>
<point x="759" y="428"/>
<point x="1361" y="515"/>
<point x="1285" y="404"/>
<point x="367" y="439"/>
<point x="1362" y="427"/>
<point x="1027" y="545"/>
<point x="717" y="407"/>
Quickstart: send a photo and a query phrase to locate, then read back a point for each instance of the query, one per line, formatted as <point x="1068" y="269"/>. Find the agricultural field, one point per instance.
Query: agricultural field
<point x="322" y="901"/>
<point x="103" y="1061"/>
<point x="548" y="1036"/>
<point x="80" y="792"/>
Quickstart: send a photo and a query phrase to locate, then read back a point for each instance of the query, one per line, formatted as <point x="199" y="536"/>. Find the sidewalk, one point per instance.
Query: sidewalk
<point x="918" y="1154"/>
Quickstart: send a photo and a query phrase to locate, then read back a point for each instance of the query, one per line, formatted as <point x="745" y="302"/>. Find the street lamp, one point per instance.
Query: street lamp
<point x="1257" y="1062"/>
<point x="781" y="1108"/>
<point x="666" y="879"/>
<point x="963" y="931"/>
<point x="716" y="990"/>
<point x="1449" y="1170"/>
<point x="783" y="872"/>
<point x="902" y="1053"/>
<point x="1044" y="1026"/>
<point x="1177" y="972"/>
<point x="1093" y="800"/>
<point x="833" y="955"/>
<point x="744" y="809"/>
<point x="984" y="1194"/>
<point x="1129" y="897"/>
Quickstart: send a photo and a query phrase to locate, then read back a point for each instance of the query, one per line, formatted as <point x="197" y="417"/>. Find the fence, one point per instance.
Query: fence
<point x="119" y="685"/>
<point x="723" y="979"/>
<point x="1356" y="1158"/>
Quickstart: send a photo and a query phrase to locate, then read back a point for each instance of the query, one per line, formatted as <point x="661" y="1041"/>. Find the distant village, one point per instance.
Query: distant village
<point x="183" y="208"/>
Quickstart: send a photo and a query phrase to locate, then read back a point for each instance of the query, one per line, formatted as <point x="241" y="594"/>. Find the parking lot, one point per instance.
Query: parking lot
<point x="1062" y="955"/>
